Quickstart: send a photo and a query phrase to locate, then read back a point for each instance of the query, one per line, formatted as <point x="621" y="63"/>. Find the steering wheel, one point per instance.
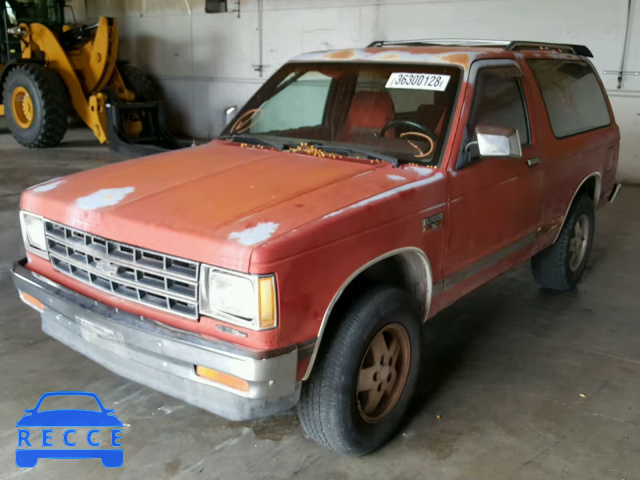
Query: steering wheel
<point x="422" y="132"/>
<point x="413" y="125"/>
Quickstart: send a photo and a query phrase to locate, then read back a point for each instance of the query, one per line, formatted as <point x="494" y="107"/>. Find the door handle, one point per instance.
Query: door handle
<point x="532" y="162"/>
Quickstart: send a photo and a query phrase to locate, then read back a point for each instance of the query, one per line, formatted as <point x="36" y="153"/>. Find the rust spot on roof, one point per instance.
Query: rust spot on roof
<point x="459" y="58"/>
<point x="391" y="56"/>
<point x="341" y="55"/>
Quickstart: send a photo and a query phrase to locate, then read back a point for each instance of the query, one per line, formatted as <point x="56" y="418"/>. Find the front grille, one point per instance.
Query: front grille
<point x="146" y="277"/>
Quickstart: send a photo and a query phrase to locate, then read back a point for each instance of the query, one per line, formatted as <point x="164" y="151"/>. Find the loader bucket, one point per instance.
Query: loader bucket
<point x="153" y="138"/>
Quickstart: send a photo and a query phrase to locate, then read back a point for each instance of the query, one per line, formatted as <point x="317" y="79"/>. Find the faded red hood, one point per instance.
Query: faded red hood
<point x="213" y="203"/>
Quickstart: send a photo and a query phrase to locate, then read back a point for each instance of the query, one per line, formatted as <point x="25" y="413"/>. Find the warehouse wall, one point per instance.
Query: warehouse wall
<point x="206" y="62"/>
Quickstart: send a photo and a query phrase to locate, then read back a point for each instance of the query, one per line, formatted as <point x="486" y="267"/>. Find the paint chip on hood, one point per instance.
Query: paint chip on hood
<point x="255" y="235"/>
<point x="47" y="186"/>
<point x="105" y="197"/>
<point x="422" y="171"/>
<point x="387" y="194"/>
<point x="396" y="178"/>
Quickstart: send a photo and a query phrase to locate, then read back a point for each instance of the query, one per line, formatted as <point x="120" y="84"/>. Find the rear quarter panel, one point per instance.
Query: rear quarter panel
<point x="569" y="161"/>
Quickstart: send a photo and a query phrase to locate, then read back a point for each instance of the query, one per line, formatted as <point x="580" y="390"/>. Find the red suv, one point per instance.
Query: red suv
<point x="294" y="259"/>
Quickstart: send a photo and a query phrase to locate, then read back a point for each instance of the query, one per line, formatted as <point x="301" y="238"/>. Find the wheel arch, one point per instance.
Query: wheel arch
<point x="411" y="270"/>
<point x="592" y="186"/>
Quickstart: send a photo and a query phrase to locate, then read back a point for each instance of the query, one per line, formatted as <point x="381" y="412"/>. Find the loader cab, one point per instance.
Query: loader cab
<point x="46" y="12"/>
<point x="15" y="12"/>
<point x="9" y="44"/>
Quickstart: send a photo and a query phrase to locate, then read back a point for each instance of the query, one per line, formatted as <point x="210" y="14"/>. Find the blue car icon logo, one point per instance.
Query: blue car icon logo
<point x="73" y="429"/>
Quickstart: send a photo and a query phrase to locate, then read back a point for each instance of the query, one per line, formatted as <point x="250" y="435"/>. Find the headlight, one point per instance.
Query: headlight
<point x="16" y="31"/>
<point x="246" y="300"/>
<point x="33" y="233"/>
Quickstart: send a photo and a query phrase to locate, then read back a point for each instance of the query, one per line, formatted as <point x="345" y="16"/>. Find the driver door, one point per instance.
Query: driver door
<point x="494" y="203"/>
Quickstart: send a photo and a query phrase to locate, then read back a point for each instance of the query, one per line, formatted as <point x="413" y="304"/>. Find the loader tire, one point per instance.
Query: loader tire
<point x="36" y="106"/>
<point x="143" y="86"/>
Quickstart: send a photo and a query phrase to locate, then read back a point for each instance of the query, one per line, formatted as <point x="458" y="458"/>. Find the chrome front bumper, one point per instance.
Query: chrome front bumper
<point x="162" y="357"/>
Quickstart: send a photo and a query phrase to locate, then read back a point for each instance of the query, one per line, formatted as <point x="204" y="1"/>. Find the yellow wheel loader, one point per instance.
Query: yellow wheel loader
<point x="49" y="69"/>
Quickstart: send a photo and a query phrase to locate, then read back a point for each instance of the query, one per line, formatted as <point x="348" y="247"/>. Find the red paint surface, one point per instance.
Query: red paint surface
<point x="332" y="216"/>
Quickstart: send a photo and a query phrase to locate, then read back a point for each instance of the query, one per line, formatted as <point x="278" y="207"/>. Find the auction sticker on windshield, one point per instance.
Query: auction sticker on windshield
<point x="418" y="81"/>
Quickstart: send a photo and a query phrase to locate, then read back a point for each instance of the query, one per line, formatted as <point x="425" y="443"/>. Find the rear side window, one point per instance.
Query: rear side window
<point x="572" y="95"/>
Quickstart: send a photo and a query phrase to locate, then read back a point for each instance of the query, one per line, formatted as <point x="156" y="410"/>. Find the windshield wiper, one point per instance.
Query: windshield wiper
<point x="253" y="140"/>
<point x="350" y="151"/>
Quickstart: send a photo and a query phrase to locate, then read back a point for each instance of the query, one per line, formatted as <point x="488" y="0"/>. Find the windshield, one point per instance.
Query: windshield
<point x="47" y="12"/>
<point x="401" y="110"/>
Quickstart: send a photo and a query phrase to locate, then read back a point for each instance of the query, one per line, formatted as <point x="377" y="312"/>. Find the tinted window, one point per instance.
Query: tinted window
<point x="499" y="102"/>
<point x="572" y="95"/>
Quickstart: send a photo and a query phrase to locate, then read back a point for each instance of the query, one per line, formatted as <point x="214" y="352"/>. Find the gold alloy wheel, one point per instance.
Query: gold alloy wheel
<point x="579" y="242"/>
<point x="22" y="107"/>
<point x="383" y="372"/>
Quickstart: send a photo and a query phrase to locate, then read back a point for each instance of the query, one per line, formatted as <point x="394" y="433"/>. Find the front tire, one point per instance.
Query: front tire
<point x="363" y="382"/>
<point x="561" y="266"/>
<point x="36" y="105"/>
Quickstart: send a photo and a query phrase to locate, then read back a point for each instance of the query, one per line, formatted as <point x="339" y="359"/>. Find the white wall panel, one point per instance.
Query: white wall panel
<point x="205" y="62"/>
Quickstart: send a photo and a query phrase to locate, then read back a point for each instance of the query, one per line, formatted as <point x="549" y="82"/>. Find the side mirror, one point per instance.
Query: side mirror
<point x="498" y="142"/>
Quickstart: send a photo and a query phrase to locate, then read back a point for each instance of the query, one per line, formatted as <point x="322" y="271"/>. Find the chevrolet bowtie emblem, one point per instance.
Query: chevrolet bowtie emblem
<point x="106" y="267"/>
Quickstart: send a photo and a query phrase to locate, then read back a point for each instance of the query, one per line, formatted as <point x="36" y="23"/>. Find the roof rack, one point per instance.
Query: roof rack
<point x="506" y="44"/>
<point x="456" y="42"/>
<point x="552" y="47"/>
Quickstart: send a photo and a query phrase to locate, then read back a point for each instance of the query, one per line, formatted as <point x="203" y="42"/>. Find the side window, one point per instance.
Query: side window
<point x="572" y="96"/>
<point x="499" y="102"/>
<point x="301" y="104"/>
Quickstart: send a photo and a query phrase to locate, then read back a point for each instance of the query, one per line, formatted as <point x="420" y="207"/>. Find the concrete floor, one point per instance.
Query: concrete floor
<point x="517" y="383"/>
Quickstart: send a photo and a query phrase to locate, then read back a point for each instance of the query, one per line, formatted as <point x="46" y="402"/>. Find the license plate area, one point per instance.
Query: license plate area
<point x="103" y="337"/>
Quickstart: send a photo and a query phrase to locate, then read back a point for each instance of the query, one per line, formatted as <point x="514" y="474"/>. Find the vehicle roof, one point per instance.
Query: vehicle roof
<point x="462" y="56"/>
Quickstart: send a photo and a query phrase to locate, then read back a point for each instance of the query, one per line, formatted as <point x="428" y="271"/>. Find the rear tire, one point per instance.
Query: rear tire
<point x="143" y="86"/>
<point x="36" y="106"/>
<point x="561" y="266"/>
<point x="376" y="348"/>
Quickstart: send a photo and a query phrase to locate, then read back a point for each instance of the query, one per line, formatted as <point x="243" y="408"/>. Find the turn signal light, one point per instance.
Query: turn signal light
<point x="267" y="302"/>
<point x="32" y="301"/>
<point x="225" y="379"/>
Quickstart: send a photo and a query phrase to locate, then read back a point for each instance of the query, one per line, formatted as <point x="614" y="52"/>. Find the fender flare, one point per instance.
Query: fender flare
<point x="399" y="251"/>
<point x="596" y="198"/>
